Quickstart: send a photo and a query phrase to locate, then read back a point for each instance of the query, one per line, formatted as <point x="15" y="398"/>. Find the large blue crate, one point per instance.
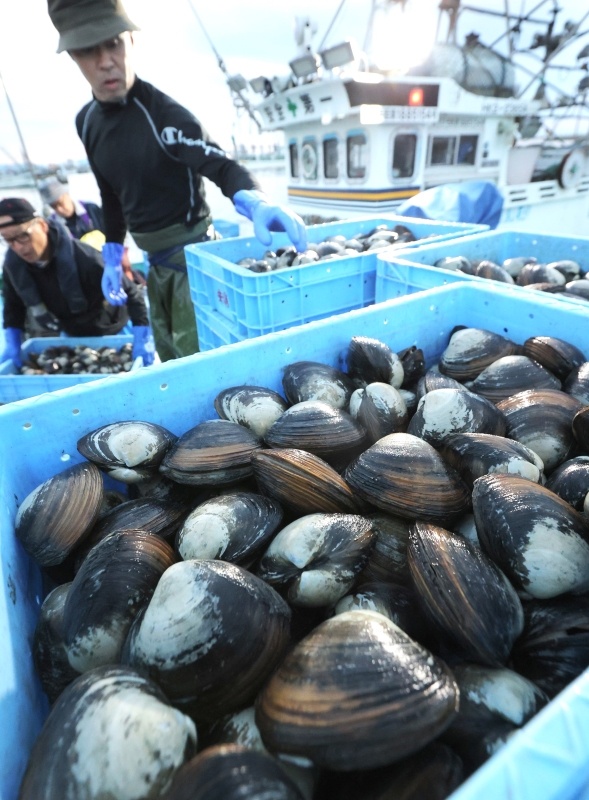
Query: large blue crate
<point x="20" y="387"/>
<point x="262" y="303"/>
<point x="547" y="760"/>
<point x="400" y="272"/>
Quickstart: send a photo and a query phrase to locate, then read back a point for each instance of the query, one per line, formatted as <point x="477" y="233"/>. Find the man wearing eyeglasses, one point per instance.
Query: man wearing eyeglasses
<point x="57" y="280"/>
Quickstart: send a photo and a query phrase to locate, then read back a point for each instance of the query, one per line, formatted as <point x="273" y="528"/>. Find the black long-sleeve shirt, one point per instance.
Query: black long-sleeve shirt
<point x="149" y="154"/>
<point x="100" y="319"/>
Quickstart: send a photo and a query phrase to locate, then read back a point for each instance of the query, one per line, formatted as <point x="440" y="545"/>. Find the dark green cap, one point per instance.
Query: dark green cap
<point x="85" y="23"/>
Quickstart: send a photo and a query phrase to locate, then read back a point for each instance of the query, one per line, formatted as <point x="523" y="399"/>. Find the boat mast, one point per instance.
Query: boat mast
<point x="19" y="132"/>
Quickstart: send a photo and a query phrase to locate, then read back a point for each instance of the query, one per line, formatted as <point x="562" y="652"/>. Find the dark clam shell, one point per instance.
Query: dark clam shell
<point x="104" y="735"/>
<point x="316" y="558"/>
<point x="468" y="598"/>
<point x="443" y="412"/>
<point x="115" y="581"/>
<point x="578" y="289"/>
<point x="580" y="426"/>
<point x="303" y="483"/>
<point x="556" y="355"/>
<point x="233" y="772"/>
<point x="413" y="361"/>
<point x="56" y="516"/>
<point x="570" y="480"/>
<point x="476" y="454"/>
<point x="372" y="361"/>
<point x="216" y="452"/>
<point x="320" y="429"/>
<point x="210" y="636"/>
<point x="515" y="264"/>
<point x="540" y="273"/>
<point x="470" y="350"/>
<point x="577" y="384"/>
<point x="233" y="527"/>
<point x="380" y="409"/>
<point x="569" y="268"/>
<point x="129" y="451"/>
<point x="535" y="537"/>
<point x="553" y="649"/>
<point x="512" y="374"/>
<point x="356" y="693"/>
<point x="542" y="421"/>
<point x="311" y="380"/>
<point x="253" y="406"/>
<point x="453" y="263"/>
<point x="387" y="560"/>
<point x="434" y="379"/>
<point x="493" y="272"/>
<point x="51" y="662"/>
<point x="405" y="476"/>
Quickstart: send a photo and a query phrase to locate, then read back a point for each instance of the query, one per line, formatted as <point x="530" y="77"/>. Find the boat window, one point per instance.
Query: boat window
<point x="330" y="158"/>
<point x="404" y="149"/>
<point x="442" y="150"/>
<point x="309" y="159"/>
<point x="293" y="155"/>
<point x="467" y="149"/>
<point x="356" y="155"/>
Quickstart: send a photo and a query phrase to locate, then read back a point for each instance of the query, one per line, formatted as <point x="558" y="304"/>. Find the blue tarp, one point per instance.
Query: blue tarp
<point x="470" y="201"/>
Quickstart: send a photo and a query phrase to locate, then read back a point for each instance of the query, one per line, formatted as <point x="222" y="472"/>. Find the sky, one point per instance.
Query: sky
<point x="253" y="37"/>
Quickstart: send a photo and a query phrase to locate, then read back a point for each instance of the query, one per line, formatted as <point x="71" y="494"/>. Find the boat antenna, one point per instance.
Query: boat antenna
<point x="25" y="154"/>
<point x="236" y="92"/>
<point x="331" y="24"/>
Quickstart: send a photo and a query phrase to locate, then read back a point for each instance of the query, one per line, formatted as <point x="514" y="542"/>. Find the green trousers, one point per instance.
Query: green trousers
<point x="171" y="313"/>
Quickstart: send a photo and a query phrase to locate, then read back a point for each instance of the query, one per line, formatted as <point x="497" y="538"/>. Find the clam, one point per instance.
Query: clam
<point x="413" y="361"/>
<point x="493" y="272"/>
<point x="115" y="581"/>
<point x="233" y="772"/>
<point x="210" y="636"/>
<point x="387" y="560"/>
<point x="568" y="267"/>
<point x="476" y="454"/>
<point x="470" y="350"/>
<point x="215" y="452"/>
<point x="356" y="693"/>
<point x="540" y="273"/>
<point x="542" y="421"/>
<point x="577" y="384"/>
<point x="380" y="409"/>
<point x="512" y="374"/>
<point x="319" y="428"/>
<point x="434" y="379"/>
<point x="316" y="558"/>
<point x="442" y="412"/>
<point x="253" y="406"/>
<point x="556" y="355"/>
<point x="311" y="380"/>
<point x="535" y="537"/>
<point x="515" y="264"/>
<point x="103" y="738"/>
<point x="453" y="263"/>
<point x="405" y="476"/>
<point x="578" y="288"/>
<point x="570" y="480"/>
<point x="580" y="425"/>
<point x="127" y="451"/>
<point x="233" y="527"/>
<point x="303" y="483"/>
<point x="56" y="516"/>
<point x="49" y="653"/>
<point x="553" y="649"/>
<point x="371" y="361"/>
<point x="467" y="597"/>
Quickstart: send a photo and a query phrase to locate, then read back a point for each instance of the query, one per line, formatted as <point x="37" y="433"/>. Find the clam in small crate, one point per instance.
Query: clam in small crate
<point x="547" y="759"/>
<point x="14" y="386"/>
<point x="405" y="271"/>
<point x="255" y="304"/>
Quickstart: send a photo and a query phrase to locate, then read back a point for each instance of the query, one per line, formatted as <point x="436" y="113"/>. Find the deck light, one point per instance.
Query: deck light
<point x="304" y="65"/>
<point x="261" y="85"/>
<point x="237" y="83"/>
<point x="338" y="55"/>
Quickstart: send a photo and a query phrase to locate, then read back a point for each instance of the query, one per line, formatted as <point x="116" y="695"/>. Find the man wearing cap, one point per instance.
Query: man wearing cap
<point x="58" y="280"/>
<point x="79" y="217"/>
<point x="149" y="155"/>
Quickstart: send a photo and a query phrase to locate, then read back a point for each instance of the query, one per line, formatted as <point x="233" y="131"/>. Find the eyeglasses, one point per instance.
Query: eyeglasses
<point x="20" y="238"/>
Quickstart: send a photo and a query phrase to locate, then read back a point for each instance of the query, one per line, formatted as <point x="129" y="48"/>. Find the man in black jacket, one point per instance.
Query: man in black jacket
<point x="79" y="217"/>
<point x="58" y="280"/>
<point x="149" y="155"/>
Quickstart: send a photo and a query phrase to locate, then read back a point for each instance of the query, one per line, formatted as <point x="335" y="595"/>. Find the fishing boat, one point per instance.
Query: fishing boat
<point x="362" y="139"/>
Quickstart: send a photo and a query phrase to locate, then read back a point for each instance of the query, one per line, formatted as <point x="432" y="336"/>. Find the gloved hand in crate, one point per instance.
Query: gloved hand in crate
<point x="13" y="339"/>
<point x="143" y="344"/>
<point x="44" y="319"/>
<point x="267" y="218"/>
<point x="112" y="280"/>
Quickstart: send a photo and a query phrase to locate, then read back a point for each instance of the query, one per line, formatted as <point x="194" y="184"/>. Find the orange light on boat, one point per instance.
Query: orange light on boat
<point x="416" y="97"/>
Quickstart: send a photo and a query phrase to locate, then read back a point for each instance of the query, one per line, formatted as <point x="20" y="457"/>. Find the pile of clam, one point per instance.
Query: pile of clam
<point x="337" y="246"/>
<point x="361" y="587"/>
<point x="563" y="277"/>
<point x="80" y="359"/>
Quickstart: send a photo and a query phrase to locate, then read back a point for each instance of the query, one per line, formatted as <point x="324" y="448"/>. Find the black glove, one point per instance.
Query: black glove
<point x="45" y="319"/>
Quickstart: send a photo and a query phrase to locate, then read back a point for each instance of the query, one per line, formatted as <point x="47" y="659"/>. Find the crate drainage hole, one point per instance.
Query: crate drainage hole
<point x="27" y="425"/>
<point x="65" y="457"/>
<point x="75" y="411"/>
<point x="163" y="386"/>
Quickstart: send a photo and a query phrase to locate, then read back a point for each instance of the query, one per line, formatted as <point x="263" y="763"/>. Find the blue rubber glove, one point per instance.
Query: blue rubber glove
<point x="112" y="280"/>
<point x="143" y="344"/>
<point x="267" y="218"/>
<point x="13" y="337"/>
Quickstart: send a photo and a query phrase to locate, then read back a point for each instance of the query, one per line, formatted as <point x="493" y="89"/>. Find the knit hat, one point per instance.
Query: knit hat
<point x="18" y="209"/>
<point x="51" y="190"/>
<point x="85" y="23"/>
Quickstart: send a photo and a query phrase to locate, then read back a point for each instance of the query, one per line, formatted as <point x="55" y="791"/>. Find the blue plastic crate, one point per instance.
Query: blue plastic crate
<point x="262" y="303"/>
<point x="547" y="760"/>
<point x="20" y="387"/>
<point x="214" y="330"/>
<point x="406" y="271"/>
